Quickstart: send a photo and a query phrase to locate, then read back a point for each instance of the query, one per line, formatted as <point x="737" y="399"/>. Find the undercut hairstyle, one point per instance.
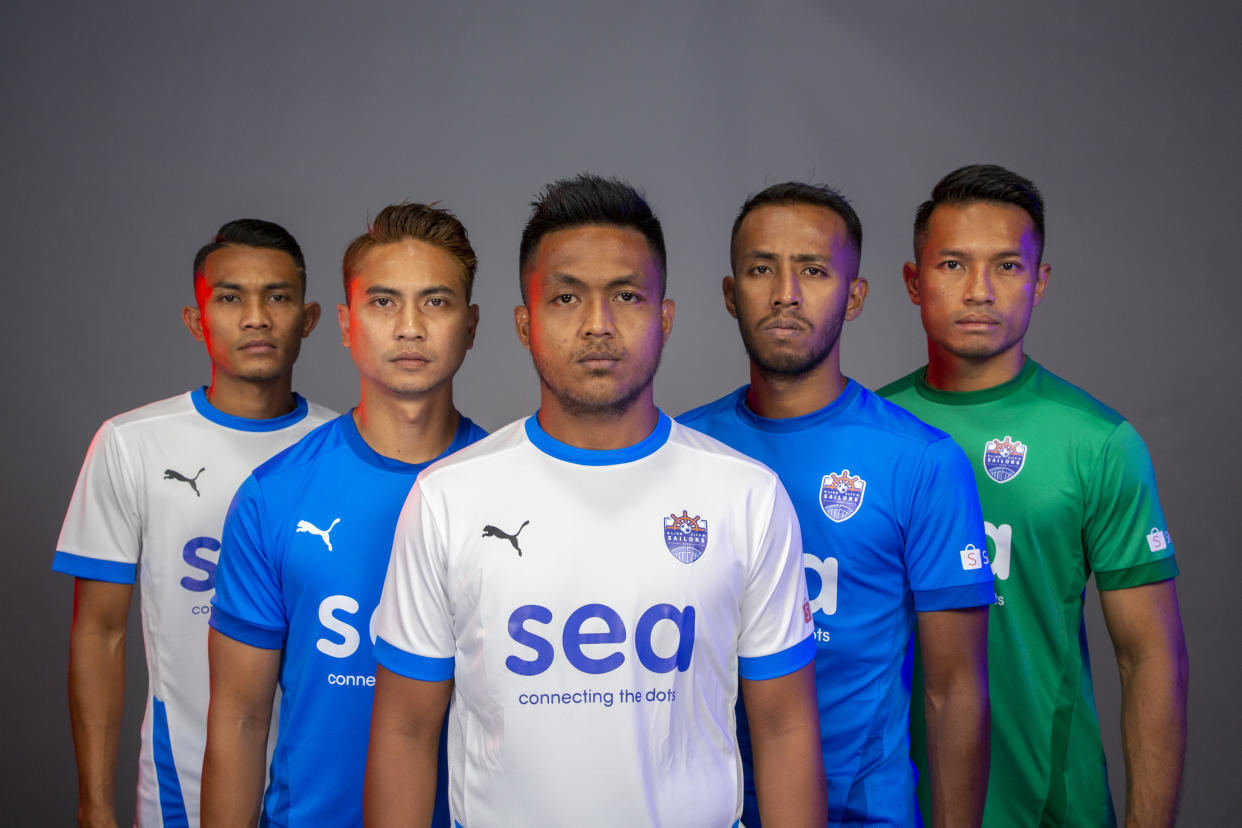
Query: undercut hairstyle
<point x="988" y="183"/>
<point x="409" y="221"/>
<point x="587" y="200"/>
<point x="249" y="232"/>
<point x="792" y="193"/>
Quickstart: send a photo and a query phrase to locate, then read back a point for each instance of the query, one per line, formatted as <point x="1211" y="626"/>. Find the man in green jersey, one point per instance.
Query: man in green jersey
<point x="1068" y="490"/>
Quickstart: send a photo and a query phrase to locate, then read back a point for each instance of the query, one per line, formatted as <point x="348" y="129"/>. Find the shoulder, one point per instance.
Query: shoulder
<point x="316" y="413"/>
<point x="714" y="457"/>
<point x="153" y="415"/>
<point x="712" y="411"/>
<point x="1052" y="390"/>
<point x="483" y="449"/>
<point x="900" y="387"/>
<point x="873" y="410"/>
<point x="302" y="455"/>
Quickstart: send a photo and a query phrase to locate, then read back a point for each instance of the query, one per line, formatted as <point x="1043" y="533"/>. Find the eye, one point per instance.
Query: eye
<point x="228" y="297"/>
<point x="279" y="297"/>
<point x="1010" y="267"/>
<point x="437" y="301"/>
<point x="951" y="264"/>
<point x="382" y="302"/>
<point x="627" y="296"/>
<point x="761" y="269"/>
<point x="564" y="299"/>
<point x="815" y="271"/>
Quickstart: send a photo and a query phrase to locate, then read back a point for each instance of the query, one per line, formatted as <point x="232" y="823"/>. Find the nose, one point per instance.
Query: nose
<point x="786" y="289"/>
<point x="599" y="320"/>
<point x="257" y="315"/>
<point x="979" y="288"/>
<point x="410" y="323"/>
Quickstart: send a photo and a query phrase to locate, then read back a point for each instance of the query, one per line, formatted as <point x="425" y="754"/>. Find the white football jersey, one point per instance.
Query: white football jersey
<point x="149" y="508"/>
<point x="595" y="609"/>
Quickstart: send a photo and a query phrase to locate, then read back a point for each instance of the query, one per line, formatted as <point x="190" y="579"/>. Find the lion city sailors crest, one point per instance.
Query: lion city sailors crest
<point x="840" y="495"/>
<point x="685" y="536"/>
<point x="1003" y="459"/>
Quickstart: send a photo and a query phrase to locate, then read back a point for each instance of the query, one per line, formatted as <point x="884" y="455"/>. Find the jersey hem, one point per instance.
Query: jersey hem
<point x="238" y="629"/>
<point x="409" y="665"/>
<point x="95" y="569"/>
<point x="979" y="594"/>
<point x="1148" y="573"/>
<point x="778" y="664"/>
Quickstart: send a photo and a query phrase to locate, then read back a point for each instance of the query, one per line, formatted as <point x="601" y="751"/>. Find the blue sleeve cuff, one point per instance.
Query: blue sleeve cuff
<point x="778" y="664"/>
<point x="235" y="628"/>
<point x="412" y="666"/>
<point x="978" y="594"/>
<point x="94" y="569"/>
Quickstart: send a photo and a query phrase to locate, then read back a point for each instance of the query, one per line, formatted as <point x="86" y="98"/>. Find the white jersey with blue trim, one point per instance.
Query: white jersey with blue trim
<point x="891" y="526"/>
<point x="148" y="508"/>
<point x="595" y="610"/>
<point x="306" y="545"/>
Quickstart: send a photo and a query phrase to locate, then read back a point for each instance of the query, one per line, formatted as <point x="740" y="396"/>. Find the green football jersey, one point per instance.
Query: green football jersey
<point x="1067" y="489"/>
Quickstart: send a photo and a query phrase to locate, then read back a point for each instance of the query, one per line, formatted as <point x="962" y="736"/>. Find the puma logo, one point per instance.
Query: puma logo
<point x="170" y="474"/>
<point x="307" y="526"/>
<point x="492" y="532"/>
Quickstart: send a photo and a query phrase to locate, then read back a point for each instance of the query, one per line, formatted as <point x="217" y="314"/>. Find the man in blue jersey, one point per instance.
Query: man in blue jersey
<point x="589" y="583"/>
<point x="149" y="507"/>
<point x="308" y="536"/>
<point x="890" y="519"/>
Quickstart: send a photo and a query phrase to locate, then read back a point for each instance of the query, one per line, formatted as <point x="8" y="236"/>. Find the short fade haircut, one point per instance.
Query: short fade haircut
<point x="409" y="221"/>
<point x="990" y="183"/>
<point x="791" y="193"/>
<point x="249" y="232"/>
<point x="589" y="200"/>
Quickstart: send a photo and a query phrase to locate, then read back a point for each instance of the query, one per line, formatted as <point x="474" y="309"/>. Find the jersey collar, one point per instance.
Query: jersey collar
<point x="787" y="424"/>
<point x="598" y="457"/>
<point x="349" y="430"/>
<point x="204" y="407"/>
<point x="983" y="395"/>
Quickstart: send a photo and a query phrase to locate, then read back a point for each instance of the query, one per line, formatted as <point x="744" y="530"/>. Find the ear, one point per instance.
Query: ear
<point x="310" y="317"/>
<point x="472" y="325"/>
<point x="342" y="318"/>
<point x="521" y="321"/>
<point x="910" y="272"/>
<point x="1041" y="282"/>
<point x="192" y="318"/>
<point x="667" y="310"/>
<point x="858" y="295"/>
<point x="727" y="286"/>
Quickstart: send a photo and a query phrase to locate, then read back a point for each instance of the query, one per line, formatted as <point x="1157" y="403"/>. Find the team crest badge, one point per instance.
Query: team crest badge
<point x="840" y="495"/>
<point x="1003" y="459"/>
<point x="685" y="536"/>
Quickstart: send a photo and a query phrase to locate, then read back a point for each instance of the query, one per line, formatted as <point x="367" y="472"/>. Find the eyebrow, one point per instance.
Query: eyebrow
<point x="962" y="254"/>
<point x="797" y="257"/>
<point x="384" y="290"/>
<point x="239" y="287"/>
<point x="560" y="279"/>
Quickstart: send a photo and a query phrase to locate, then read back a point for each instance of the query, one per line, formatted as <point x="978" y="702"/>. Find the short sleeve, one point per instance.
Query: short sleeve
<point x="776" y="626"/>
<point x="946" y="549"/>
<point x="1128" y="543"/>
<point x="414" y="622"/>
<point x="249" y="604"/>
<point x="101" y="538"/>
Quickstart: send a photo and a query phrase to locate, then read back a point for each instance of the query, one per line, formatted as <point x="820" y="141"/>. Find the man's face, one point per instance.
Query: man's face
<point x="595" y="323"/>
<point x="407" y="324"/>
<point x="977" y="278"/>
<point x="795" y="283"/>
<point x="250" y="312"/>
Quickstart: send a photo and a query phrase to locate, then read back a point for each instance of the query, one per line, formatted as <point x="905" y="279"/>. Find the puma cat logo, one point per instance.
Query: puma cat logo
<point x="170" y="474"/>
<point x="307" y="526"/>
<point x="490" y="531"/>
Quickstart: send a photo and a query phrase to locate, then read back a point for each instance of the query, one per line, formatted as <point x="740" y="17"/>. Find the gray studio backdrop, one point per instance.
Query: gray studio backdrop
<point x="132" y="130"/>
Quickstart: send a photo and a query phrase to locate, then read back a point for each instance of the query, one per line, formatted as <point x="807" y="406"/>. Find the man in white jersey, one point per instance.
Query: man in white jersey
<point x="149" y="507"/>
<point x="589" y="584"/>
<point x="307" y="539"/>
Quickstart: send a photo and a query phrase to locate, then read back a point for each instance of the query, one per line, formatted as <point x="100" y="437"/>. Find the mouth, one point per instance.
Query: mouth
<point x="409" y="360"/>
<point x="977" y="322"/>
<point x="258" y="346"/>
<point x="599" y="360"/>
<point x="784" y="327"/>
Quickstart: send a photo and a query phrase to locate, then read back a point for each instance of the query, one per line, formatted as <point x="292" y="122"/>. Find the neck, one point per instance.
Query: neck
<point x="599" y="431"/>
<point x="951" y="372"/>
<point x="779" y="396"/>
<point x="254" y="400"/>
<point x="410" y="429"/>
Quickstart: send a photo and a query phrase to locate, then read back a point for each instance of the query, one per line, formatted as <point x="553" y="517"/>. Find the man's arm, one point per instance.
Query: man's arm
<point x="97" y="692"/>
<point x="406" y="718"/>
<point x="789" y="761"/>
<point x="1146" y="628"/>
<point x="243" y="685"/>
<point x="954" y="646"/>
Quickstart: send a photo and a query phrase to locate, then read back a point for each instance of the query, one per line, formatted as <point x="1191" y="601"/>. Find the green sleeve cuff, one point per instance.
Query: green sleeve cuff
<point x="1148" y="573"/>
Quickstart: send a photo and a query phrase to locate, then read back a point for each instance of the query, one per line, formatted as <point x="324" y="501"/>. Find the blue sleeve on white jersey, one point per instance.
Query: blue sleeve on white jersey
<point x="412" y="666"/>
<point x="95" y="569"/>
<point x="945" y="520"/>
<point x="248" y="586"/>
<point x="778" y="664"/>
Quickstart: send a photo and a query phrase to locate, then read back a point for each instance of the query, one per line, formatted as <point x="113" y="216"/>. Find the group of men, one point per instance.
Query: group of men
<point x="599" y="615"/>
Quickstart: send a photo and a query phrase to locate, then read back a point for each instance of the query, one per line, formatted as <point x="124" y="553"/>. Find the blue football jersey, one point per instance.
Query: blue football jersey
<point x="305" y="548"/>
<point x="891" y="526"/>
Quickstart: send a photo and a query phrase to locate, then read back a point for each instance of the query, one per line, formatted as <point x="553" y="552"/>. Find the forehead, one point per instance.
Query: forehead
<point x="409" y="263"/>
<point x="806" y="226"/>
<point x="236" y="263"/>
<point x="595" y="253"/>
<point x="981" y="227"/>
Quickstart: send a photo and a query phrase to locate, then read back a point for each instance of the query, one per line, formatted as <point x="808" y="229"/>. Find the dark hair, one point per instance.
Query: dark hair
<point x="250" y="232"/>
<point x="418" y="222"/>
<point x="982" y="182"/>
<point x="795" y="192"/>
<point x="585" y="200"/>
